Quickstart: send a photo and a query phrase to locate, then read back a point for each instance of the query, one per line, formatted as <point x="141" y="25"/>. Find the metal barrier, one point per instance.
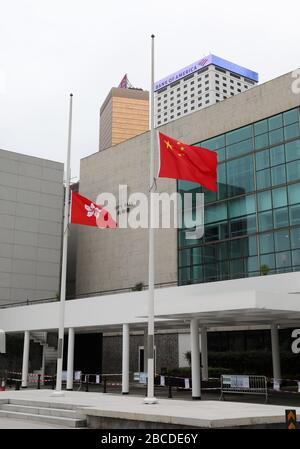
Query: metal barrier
<point x="243" y="384"/>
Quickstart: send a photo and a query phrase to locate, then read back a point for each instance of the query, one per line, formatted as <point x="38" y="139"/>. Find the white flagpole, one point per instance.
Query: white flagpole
<point x="64" y="261"/>
<point x="150" y="399"/>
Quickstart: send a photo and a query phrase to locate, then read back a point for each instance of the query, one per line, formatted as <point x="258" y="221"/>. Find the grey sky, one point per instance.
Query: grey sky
<point x="49" y="48"/>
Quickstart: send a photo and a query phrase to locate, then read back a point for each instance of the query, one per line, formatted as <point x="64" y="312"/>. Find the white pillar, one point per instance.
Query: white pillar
<point x="43" y="365"/>
<point x="25" y="359"/>
<point x="125" y="359"/>
<point x="195" y="359"/>
<point x="204" y="361"/>
<point x="275" y="352"/>
<point x="70" y="362"/>
<point x="145" y="350"/>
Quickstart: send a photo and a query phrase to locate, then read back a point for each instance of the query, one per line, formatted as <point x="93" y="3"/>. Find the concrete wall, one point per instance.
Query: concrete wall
<point x="31" y="202"/>
<point x="166" y="352"/>
<point x="112" y="259"/>
<point x="109" y="259"/>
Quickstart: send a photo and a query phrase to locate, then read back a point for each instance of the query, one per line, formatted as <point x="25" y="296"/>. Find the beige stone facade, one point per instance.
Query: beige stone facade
<point x="124" y="114"/>
<point x="117" y="259"/>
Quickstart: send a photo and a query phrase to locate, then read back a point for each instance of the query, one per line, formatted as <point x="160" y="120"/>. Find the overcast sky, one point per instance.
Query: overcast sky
<point x="49" y="48"/>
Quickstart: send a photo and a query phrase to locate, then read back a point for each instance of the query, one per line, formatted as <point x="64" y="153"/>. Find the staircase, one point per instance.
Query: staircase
<point x="50" y="353"/>
<point x="46" y="412"/>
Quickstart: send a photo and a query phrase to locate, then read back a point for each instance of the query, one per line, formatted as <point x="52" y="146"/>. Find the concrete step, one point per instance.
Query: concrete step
<point x="45" y="404"/>
<point x="61" y="413"/>
<point x="68" y="422"/>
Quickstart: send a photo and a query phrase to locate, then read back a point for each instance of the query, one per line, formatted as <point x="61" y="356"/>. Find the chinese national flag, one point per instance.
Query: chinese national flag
<point x="88" y="213"/>
<point x="189" y="163"/>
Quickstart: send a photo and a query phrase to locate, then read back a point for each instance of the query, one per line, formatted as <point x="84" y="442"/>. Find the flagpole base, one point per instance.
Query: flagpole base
<point x="58" y="394"/>
<point x="150" y="401"/>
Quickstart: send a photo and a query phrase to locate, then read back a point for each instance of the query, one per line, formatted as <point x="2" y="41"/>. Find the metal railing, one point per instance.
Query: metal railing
<point x="244" y="384"/>
<point x="30" y="302"/>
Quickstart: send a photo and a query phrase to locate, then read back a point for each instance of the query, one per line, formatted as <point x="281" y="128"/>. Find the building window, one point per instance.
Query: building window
<point x="199" y="105"/>
<point x="206" y="82"/>
<point x="159" y="116"/>
<point x="158" y="110"/>
<point x="165" y="120"/>
<point x="246" y="87"/>
<point x="185" y="98"/>
<point x="185" y="111"/>
<point x="232" y="87"/>
<point x="192" y="88"/>
<point x="217" y="88"/>
<point x="224" y="91"/>
<point x="178" y="89"/>
<point x="217" y="75"/>
<point x="159" y="104"/>
<point x="207" y="101"/>
<point x="239" y="84"/>
<point x="192" y="95"/>
<point x="239" y="90"/>
<point x="192" y="108"/>
<point x="178" y="114"/>
<point x="207" y="75"/>
<point x="172" y="104"/>
<point x="192" y="82"/>
<point x="172" y="98"/>
<point x="217" y="94"/>
<point x="165" y="101"/>
<point x="206" y="89"/>
<point x="235" y="75"/>
<point x="217" y="82"/>
<point x="165" y="95"/>
<point x="224" y="78"/>
<point x="206" y="95"/>
<point x="185" y="105"/>
<point x="193" y="101"/>
<point x="199" y="92"/>
<point x="172" y="116"/>
<point x="159" y="122"/>
<point x="219" y="69"/>
<point x="189" y="77"/>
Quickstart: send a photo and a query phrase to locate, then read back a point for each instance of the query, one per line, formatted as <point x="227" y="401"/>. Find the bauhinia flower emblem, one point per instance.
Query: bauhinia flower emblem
<point x="92" y="210"/>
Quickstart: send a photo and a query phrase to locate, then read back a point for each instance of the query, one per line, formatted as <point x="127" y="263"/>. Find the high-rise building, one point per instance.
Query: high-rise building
<point x="124" y="114"/>
<point x="201" y="84"/>
<point x="31" y="211"/>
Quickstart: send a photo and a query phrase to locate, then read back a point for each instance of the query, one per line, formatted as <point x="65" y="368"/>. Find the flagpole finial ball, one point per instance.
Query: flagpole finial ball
<point x="71" y="95"/>
<point x="152" y="36"/>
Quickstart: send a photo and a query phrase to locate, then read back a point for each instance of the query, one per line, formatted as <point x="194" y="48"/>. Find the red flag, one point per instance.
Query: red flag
<point x="189" y="163"/>
<point x="86" y="212"/>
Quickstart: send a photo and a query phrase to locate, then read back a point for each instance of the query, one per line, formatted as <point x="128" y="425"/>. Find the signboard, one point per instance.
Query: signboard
<point x="276" y="385"/>
<point x="240" y="381"/>
<point x="143" y="378"/>
<point x="291" y="419"/>
<point x="162" y="381"/>
<point x="207" y="60"/>
<point x="77" y="375"/>
<point x="97" y="378"/>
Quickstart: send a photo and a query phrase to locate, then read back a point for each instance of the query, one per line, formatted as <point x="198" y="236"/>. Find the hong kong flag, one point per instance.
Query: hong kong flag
<point x="86" y="212"/>
<point x="189" y="163"/>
